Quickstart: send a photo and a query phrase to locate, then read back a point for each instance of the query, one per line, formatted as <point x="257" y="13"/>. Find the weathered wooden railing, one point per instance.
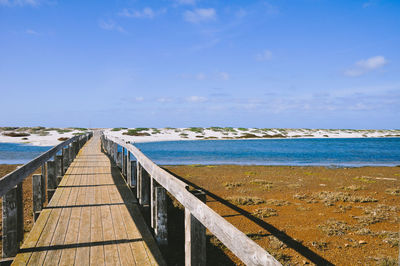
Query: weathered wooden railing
<point x="150" y="183"/>
<point x="11" y="189"/>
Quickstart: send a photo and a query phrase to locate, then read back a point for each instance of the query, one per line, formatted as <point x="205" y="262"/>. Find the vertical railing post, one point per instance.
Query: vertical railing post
<point x="119" y="160"/>
<point x="160" y="217"/>
<point x="12" y="221"/>
<point x="132" y="177"/>
<point x="51" y="179"/>
<point x="115" y="153"/>
<point x="59" y="165"/>
<point x="195" y="236"/>
<point x="144" y="190"/>
<point x="125" y="162"/>
<point x="128" y="166"/>
<point x="37" y="195"/>
<point x="65" y="154"/>
<point x="138" y="180"/>
<point x="70" y="155"/>
<point x="43" y="183"/>
<point x="20" y="210"/>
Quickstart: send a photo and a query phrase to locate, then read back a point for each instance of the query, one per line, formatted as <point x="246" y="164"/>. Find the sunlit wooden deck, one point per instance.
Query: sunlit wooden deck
<point x="92" y="218"/>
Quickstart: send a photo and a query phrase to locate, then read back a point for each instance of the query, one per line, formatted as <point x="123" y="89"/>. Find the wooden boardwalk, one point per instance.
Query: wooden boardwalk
<point x="92" y="219"/>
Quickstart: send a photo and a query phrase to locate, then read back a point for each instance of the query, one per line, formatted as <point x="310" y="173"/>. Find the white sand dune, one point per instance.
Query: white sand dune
<point x="173" y="134"/>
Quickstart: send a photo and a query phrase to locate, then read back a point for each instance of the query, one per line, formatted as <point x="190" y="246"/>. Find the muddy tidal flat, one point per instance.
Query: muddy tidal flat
<point x="301" y="215"/>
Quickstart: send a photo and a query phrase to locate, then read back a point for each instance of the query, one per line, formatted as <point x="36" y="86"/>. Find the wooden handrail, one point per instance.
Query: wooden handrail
<point x="12" y="179"/>
<point x="235" y="240"/>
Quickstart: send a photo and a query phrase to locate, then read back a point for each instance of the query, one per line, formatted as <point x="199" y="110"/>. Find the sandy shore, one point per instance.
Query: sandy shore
<point x="196" y="133"/>
<point x="40" y="136"/>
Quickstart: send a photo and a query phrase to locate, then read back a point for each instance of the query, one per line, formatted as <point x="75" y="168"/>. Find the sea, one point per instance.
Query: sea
<point x="340" y="152"/>
<point x="332" y="152"/>
<point x="13" y="153"/>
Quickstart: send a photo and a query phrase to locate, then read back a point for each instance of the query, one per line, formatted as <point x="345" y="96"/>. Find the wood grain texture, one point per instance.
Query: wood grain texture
<point x="92" y="219"/>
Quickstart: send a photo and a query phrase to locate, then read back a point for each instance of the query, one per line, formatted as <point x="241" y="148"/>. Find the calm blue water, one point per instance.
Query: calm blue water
<point x="12" y="153"/>
<point x="327" y="152"/>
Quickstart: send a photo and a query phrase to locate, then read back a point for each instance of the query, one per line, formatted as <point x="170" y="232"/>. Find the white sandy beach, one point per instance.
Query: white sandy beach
<point x="174" y="134"/>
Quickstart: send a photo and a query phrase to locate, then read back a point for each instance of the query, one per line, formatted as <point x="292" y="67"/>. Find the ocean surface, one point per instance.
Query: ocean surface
<point x="324" y="152"/>
<point x="12" y="153"/>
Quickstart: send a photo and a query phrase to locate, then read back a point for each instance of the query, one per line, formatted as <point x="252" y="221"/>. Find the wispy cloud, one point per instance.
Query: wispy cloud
<point x="364" y="66"/>
<point x="200" y="76"/>
<point x="185" y="2"/>
<point x="196" y="99"/>
<point x="146" y="12"/>
<point x="223" y="75"/>
<point x="164" y="100"/>
<point x="111" y="26"/>
<point x="264" y="55"/>
<point x="31" y="32"/>
<point x="199" y="15"/>
<point x="369" y="3"/>
<point x="19" y="2"/>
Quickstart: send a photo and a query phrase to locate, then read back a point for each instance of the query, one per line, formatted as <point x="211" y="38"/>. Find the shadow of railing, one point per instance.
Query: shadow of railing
<point x="282" y="236"/>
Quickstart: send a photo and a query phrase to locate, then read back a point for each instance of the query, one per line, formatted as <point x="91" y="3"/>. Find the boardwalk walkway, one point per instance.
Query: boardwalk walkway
<point x="92" y="219"/>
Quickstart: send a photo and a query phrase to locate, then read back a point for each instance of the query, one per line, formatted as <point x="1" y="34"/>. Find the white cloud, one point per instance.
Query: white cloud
<point x="19" y="2"/>
<point x="163" y="100"/>
<point x="186" y="2"/>
<point x="196" y="99"/>
<point x="223" y="75"/>
<point x="146" y="12"/>
<point x="264" y="55"/>
<point x="200" y="15"/>
<point x="31" y="32"/>
<point x="111" y="26"/>
<point x="363" y="66"/>
<point x="139" y="99"/>
<point x="200" y="76"/>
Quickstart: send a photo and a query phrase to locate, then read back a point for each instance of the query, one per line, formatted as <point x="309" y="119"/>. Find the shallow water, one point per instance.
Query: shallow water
<point x="12" y="153"/>
<point x="325" y="152"/>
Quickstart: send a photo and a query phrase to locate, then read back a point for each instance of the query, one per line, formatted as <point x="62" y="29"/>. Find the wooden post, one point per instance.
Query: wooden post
<point x="128" y="167"/>
<point x="144" y="199"/>
<point x="59" y="165"/>
<point x="76" y="148"/>
<point x="70" y="155"/>
<point x="160" y="215"/>
<point x="37" y="195"/>
<point x="115" y="153"/>
<point x="20" y="211"/>
<point x="125" y="164"/>
<point x="10" y="223"/>
<point x="138" y="180"/>
<point x="195" y="236"/>
<point x="65" y="153"/>
<point x="51" y="179"/>
<point x="119" y="160"/>
<point x="132" y="177"/>
<point x="43" y="183"/>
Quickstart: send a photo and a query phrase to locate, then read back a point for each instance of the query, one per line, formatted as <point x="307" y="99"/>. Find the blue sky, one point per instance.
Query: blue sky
<point x="180" y="63"/>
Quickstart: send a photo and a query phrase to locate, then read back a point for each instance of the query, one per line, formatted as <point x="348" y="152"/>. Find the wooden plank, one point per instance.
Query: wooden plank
<point x="111" y="254"/>
<point x="34" y="235"/>
<point x="53" y="256"/>
<point x="71" y="237"/>
<point x="62" y="195"/>
<point x="82" y="256"/>
<point x="235" y="240"/>
<point x="125" y="251"/>
<point x="97" y="251"/>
